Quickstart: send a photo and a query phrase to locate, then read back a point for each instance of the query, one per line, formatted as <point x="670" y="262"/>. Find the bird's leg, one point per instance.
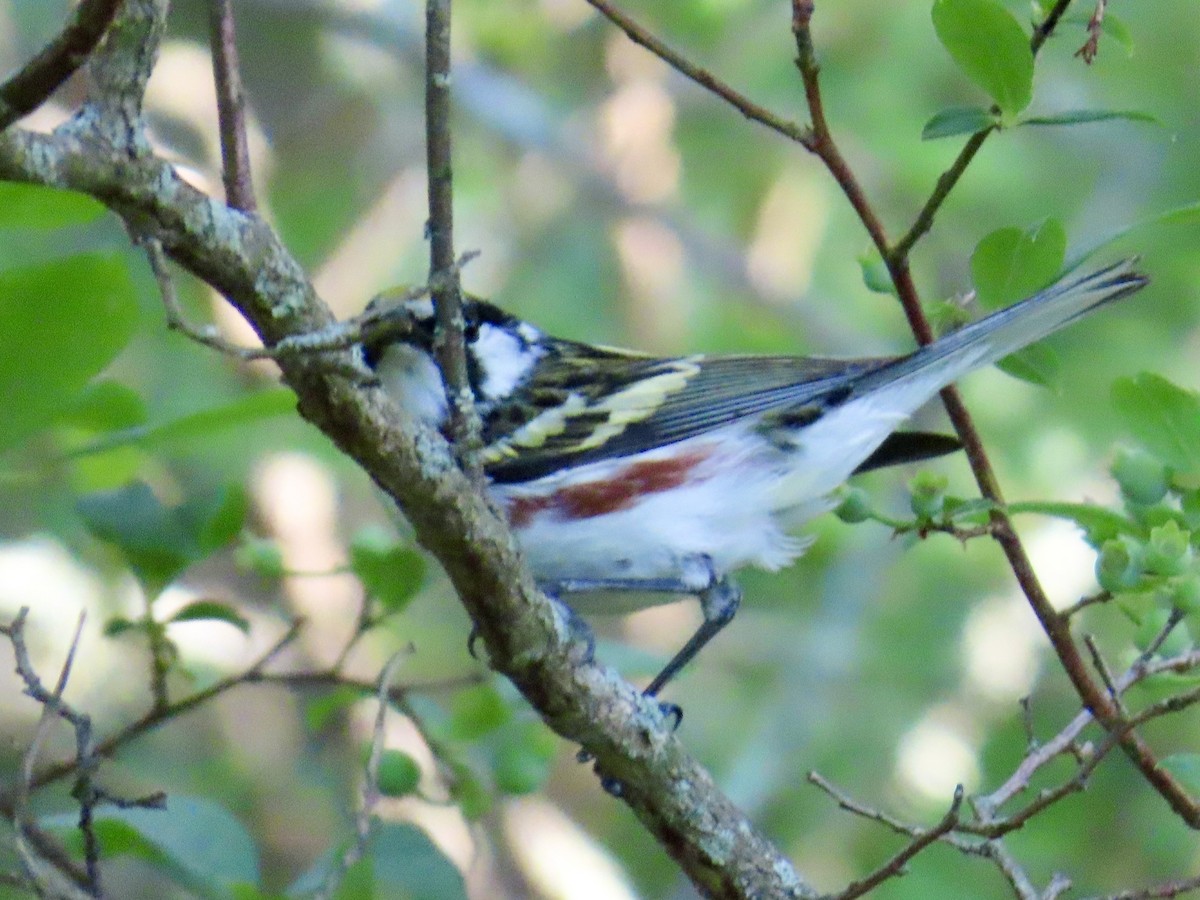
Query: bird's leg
<point x="719" y="601"/>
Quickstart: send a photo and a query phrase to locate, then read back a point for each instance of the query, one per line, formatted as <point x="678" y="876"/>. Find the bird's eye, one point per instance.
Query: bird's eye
<point x="471" y="329"/>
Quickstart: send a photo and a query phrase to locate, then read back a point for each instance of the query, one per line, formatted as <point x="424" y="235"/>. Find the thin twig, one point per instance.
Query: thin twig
<point x="1084" y="602"/>
<point x="1102" y="669"/>
<point x="43" y="858"/>
<point x="1095" y="28"/>
<point x="1011" y="870"/>
<point x="450" y="345"/>
<point x="26" y="90"/>
<point x="702" y="77"/>
<point x="895" y="866"/>
<point x="364" y="818"/>
<point x="1167" y="889"/>
<point x="848" y="803"/>
<point x="231" y="107"/>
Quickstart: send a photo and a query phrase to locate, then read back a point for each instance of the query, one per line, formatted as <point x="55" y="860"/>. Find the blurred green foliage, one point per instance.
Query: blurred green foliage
<point x="613" y="202"/>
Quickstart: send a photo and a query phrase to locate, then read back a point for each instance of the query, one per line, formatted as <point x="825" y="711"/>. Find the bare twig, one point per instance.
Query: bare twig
<point x="848" y="803"/>
<point x="1084" y="602"/>
<point x="25" y="91"/>
<point x="450" y="342"/>
<point x="364" y="818"/>
<point x="1095" y="27"/>
<point x="1102" y="669"/>
<point x="1167" y="889"/>
<point x="231" y="107"/>
<point x="1011" y="870"/>
<point x="895" y="866"/>
<point x="52" y="708"/>
<point x="702" y="77"/>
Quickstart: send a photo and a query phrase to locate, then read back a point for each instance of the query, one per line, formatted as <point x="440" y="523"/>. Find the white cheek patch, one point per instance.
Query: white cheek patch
<point x="413" y="379"/>
<point x="505" y="359"/>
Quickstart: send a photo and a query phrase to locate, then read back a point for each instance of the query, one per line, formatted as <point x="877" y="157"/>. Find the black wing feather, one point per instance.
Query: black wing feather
<point x="716" y="392"/>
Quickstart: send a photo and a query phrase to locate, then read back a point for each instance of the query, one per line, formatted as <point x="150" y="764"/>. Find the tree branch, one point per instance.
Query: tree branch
<point x="29" y="88"/>
<point x="526" y="637"/>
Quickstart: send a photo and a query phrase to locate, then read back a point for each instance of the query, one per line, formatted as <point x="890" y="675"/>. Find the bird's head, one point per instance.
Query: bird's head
<point x="501" y="351"/>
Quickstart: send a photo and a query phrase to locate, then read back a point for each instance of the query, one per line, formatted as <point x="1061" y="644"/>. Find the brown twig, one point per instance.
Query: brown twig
<point x="25" y="91"/>
<point x="895" y="866"/>
<point x="450" y="344"/>
<point x="1095" y="28"/>
<point x="231" y="107"/>
<point x="700" y="76"/>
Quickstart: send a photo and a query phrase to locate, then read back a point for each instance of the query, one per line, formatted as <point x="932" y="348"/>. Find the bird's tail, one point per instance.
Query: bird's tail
<point x="996" y="336"/>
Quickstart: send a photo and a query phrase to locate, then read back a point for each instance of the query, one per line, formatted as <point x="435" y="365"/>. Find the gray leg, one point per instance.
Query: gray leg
<point x="719" y="602"/>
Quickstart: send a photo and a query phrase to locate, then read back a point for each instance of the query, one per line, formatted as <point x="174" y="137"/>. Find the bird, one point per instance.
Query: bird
<point x="631" y="479"/>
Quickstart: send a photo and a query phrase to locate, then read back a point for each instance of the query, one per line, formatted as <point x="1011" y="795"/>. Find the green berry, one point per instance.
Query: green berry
<point x="855" y="506"/>
<point x="1119" y="565"/>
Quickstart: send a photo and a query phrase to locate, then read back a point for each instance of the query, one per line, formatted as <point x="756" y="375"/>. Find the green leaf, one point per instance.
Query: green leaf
<point x="1037" y="364"/>
<point x="118" y="625"/>
<point x="1098" y="523"/>
<point x="34" y="206"/>
<point x="989" y="45"/>
<point x="1187" y="215"/>
<point x="524" y="755"/>
<point x="148" y="533"/>
<point x="406" y="858"/>
<point x="212" y="611"/>
<point x="216" y="518"/>
<point x="1011" y="264"/>
<point x="477" y="711"/>
<point x="63" y="322"/>
<point x="244" y="410"/>
<point x="319" y="710"/>
<point x="160" y="541"/>
<point x="261" y="556"/>
<point x="198" y="841"/>
<point x="957" y="120"/>
<point x="1164" y="417"/>
<point x="875" y="274"/>
<point x="390" y="572"/>
<point x="107" y="405"/>
<point x="1079" y="116"/>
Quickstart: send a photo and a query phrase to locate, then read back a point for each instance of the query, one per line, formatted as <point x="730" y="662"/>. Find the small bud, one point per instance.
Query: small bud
<point x="928" y="494"/>
<point x="1168" y="551"/>
<point x="1143" y="479"/>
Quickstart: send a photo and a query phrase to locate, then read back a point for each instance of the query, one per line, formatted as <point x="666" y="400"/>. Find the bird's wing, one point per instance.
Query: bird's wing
<point x="585" y="404"/>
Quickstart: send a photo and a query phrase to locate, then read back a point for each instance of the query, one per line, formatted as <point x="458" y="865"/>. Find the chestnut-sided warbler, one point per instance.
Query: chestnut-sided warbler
<point x="631" y="480"/>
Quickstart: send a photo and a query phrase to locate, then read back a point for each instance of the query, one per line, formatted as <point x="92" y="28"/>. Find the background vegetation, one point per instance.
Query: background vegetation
<point x="612" y="201"/>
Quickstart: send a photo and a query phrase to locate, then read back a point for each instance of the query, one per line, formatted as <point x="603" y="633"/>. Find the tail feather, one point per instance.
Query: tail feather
<point x="1007" y="331"/>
